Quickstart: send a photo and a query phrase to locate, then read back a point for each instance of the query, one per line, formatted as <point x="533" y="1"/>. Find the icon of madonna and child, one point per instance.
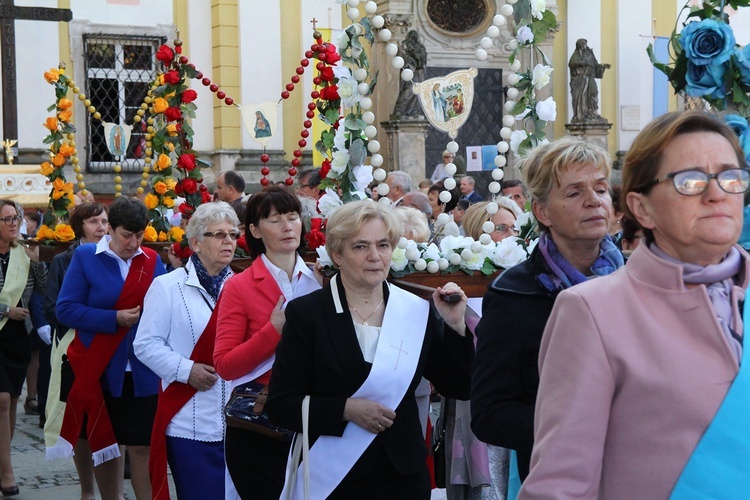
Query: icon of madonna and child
<point x="448" y="102"/>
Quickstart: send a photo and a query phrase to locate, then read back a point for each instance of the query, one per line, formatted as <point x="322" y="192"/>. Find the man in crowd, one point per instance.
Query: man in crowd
<point x="308" y="184"/>
<point x="399" y="183"/>
<point x="515" y="190"/>
<point x="230" y="187"/>
<point x="466" y="186"/>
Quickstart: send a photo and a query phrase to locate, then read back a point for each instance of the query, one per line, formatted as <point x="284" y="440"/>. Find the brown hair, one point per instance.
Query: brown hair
<point x="85" y="210"/>
<point x="260" y="205"/>
<point x="4" y="202"/>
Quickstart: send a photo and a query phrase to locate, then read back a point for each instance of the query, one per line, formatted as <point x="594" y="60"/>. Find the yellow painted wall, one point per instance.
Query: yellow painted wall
<point x="291" y="56"/>
<point x="226" y="72"/>
<point x="560" y="74"/>
<point x="664" y="15"/>
<point x="180" y="13"/>
<point x="608" y="88"/>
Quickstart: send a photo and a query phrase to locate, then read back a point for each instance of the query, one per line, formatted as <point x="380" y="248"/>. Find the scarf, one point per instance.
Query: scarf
<point x="718" y="279"/>
<point x="212" y="284"/>
<point x="558" y="274"/>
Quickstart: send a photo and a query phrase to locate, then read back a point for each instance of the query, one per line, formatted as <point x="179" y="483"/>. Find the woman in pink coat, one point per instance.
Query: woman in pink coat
<point x="635" y="366"/>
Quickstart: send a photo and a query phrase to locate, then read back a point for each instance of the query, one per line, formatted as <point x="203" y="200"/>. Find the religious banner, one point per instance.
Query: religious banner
<point x="446" y="100"/>
<point x="117" y="138"/>
<point x="260" y="121"/>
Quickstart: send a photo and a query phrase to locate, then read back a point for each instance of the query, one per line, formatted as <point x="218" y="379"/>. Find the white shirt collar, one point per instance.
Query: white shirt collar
<point x="288" y="287"/>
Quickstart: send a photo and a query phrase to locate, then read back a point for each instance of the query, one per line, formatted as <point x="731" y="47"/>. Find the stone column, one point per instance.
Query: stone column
<point x="406" y="139"/>
<point x="594" y="132"/>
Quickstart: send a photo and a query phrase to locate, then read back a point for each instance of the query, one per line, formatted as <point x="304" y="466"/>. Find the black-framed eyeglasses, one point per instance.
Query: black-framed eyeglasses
<point x="311" y="186"/>
<point x="9" y="220"/>
<point x="694" y="182"/>
<point x="221" y="235"/>
<point x="504" y="228"/>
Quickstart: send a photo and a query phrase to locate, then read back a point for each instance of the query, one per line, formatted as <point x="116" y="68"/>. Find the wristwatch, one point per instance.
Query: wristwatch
<point x="4" y="310"/>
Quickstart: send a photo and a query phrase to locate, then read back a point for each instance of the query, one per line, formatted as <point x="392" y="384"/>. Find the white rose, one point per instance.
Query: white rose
<point x="399" y="260"/>
<point x="508" y="253"/>
<point x="525" y="35"/>
<point x="363" y="173"/>
<point x="431" y="252"/>
<point x="476" y="261"/>
<point x="449" y="245"/>
<point x="538" y="7"/>
<point x="516" y="138"/>
<point x="342" y="43"/>
<point x="339" y="139"/>
<point x="540" y="75"/>
<point x="348" y="92"/>
<point x="546" y="110"/>
<point x="323" y="257"/>
<point x="329" y="202"/>
<point x="339" y="162"/>
<point x="523" y="220"/>
<point x="532" y="245"/>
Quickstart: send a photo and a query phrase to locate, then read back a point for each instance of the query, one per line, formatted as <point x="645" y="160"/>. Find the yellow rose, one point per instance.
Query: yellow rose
<point x="170" y="146"/>
<point x="162" y="236"/>
<point x="171" y="183"/>
<point x="56" y="195"/>
<point x="64" y="232"/>
<point x="149" y="234"/>
<point x="58" y="160"/>
<point x="164" y="161"/>
<point x="172" y="129"/>
<point x="66" y="150"/>
<point x="168" y="202"/>
<point x="64" y="103"/>
<point x="151" y="200"/>
<point x="68" y="187"/>
<point x="52" y="75"/>
<point x="47" y="168"/>
<point x="160" y="187"/>
<point x="59" y="184"/>
<point x="160" y="104"/>
<point x="65" y="116"/>
<point x="44" y="233"/>
<point x="51" y="123"/>
<point x="71" y="198"/>
<point x="160" y="79"/>
<point x="176" y="234"/>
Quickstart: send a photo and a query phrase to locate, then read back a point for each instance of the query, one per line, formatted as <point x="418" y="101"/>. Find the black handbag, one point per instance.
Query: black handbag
<point x="245" y="410"/>
<point x="438" y="453"/>
<point x="67" y="377"/>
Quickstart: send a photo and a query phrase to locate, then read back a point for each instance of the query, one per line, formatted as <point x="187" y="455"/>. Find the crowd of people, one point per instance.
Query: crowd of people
<point x="600" y="367"/>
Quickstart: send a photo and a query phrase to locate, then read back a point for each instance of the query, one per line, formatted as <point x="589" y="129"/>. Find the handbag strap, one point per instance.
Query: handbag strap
<point x="300" y="450"/>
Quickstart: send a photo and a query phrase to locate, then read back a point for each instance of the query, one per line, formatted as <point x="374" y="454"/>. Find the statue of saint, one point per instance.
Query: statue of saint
<point x="584" y="70"/>
<point x="415" y="58"/>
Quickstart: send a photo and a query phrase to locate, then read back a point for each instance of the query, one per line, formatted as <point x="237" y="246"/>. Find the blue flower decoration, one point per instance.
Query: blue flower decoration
<point x="707" y="42"/>
<point x="741" y="59"/>
<point x="706" y="81"/>
<point x="741" y="128"/>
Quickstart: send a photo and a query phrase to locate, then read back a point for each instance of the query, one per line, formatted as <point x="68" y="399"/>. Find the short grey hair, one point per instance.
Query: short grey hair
<point x="347" y="220"/>
<point x="420" y="200"/>
<point x="207" y="214"/>
<point x="401" y="179"/>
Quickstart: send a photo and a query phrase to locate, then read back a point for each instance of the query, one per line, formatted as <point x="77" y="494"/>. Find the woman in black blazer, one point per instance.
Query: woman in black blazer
<point x="359" y="348"/>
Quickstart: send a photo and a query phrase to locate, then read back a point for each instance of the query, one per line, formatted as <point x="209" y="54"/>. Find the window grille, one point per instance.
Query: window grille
<point x="118" y="71"/>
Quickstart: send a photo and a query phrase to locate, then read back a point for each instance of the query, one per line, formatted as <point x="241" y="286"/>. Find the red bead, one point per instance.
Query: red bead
<point x="203" y="188"/>
<point x="213" y="87"/>
<point x="192" y="65"/>
<point x="221" y="94"/>
<point x="292" y="172"/>
<point x="199" y="75"/>
<point x="322" y="56"/>
<point x="229" y="101"/>
<point x="314" y="47"/>
<point x="320" y="42"/>
<point x="206" y="82"/>
<point x="295" y="162"/>
<point x="307" y="124"/>
<point x="304" y="63"/>
<point x="285" y="95"/>
<point x="295" y="78"/>
<point x="314" y="94"/>
<point x="264" y="182"/>
<point x="300" y="71"/>
<point x="305" y="134"/>
<point x="309" y="54"/>
<point x="264" y="158"/>
<point x="320" y="66"/>
<point x="289" y="181"/>
<point x="178" y="49"/>
<point x="183" y="60"/>
<point x="297" y="153"/>
<point x="311" y="106"/>
<point x="290" y="86"/>
<point x="310" y="114"/>
<point x="317" y="80"/>
<point x="302" y="143"/>
<point x="265" y="170"/>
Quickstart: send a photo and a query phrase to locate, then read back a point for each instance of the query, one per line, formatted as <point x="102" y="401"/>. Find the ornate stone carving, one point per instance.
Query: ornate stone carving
<point x="399" y="24"/>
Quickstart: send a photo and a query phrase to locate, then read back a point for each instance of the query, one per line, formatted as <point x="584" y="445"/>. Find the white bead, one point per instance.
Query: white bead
<point x="451" y="169"/>
<point x="467" y="254"/>
<point x="499" y="21"/>
<point x="513" y="79"/>
<point x="368" y="117"/>
<point x="407" y="75"/>
<point x="442" y="263"/>
<point x="509" y="120"/>
<point x="356" y="52"/>
<point x="494" y="187"/>
<point x="402" y="243"/>
<point x="376" y="160"/>
<point x="383" y="189"/>
<point x="397" y="62"/>
<point x="476" y="247"/>
<point x="360" y="74"/>
<point x="443" y="219"/>
<point x="371" y="131"/>
<point x="363" y="88"/>
<point x="449" y="183"/>
<point x="486" y="42"/>
<point x="384" y="35"/>
<point x="377" y="22"/>
<point x="445" y="197"/>
<point x="421" y="264"/>
<point x="352" y="3"/>
<point x="352" y="13"/>
<point x="433" y="267"/>
<point x="492" y="208"/>
<point x="512" y="2"/>
<point x="502" y="147"/>
<point x="454" y="259"/>
<point x="512" y="93"/>
<point x="500" y="162"/>
<point x="516" y="65"/>
<point x="505" y="132"/>
<point x="488" y="226"/>
<point x="383" y="200"/>
<point x="452" y="147"/>
<point x="480" y="54"/>
<point x="371" y="7"/>
<point x="379" y="174"/>
<point x="373" y="146"/>
<point x="357" y="28"/>
<point x="365" y="103"/>
<point x="391" y="49"/>
<point x="412" y="254"/>
<point x="485" y="239"/>
<point x="513" y="44"/>
<point x="509" y="105"/>
<point x="493" y="31"/>
<point x="506" y="10"/>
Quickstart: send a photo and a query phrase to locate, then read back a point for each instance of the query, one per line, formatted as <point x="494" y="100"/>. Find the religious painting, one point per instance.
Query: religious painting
<point x="446" y="101"/>
<point x="260" y="120"/>
<point x="117" y="138"/>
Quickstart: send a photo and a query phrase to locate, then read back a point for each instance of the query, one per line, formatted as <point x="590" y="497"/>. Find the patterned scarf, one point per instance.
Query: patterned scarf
<point x="212" y="284"/>
<point x="558" y="274"/>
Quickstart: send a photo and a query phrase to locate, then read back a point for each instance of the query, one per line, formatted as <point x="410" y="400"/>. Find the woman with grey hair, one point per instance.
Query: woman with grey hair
<point x="176" y="340"/>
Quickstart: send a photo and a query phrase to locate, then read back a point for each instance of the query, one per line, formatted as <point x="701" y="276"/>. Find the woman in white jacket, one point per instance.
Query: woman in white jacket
<point x="176" y="340"/>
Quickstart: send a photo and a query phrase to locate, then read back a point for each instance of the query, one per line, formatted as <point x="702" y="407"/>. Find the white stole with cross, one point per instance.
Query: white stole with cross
<point x="396" y="358"/>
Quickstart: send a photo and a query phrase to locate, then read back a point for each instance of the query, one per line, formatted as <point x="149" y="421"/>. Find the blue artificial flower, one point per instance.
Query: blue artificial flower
<point x="707" y="42"/>
<point x="706" y="81"/>
<point x="741" y="57"/>
<point x="741" y="129"/>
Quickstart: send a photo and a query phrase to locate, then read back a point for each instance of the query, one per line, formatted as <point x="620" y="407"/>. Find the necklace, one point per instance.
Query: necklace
<point x="4" y="259"/>
<point x="364" y="319"/>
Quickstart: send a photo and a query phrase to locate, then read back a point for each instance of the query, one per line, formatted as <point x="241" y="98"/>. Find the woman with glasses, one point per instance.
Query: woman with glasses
<point x="569" y="184"/>
<point x="656" y="407"/>
<point x="20" y="273"/>
<point x="251" y="317"/>
<point x="439" y="173"/>
<point x="176" y="340"/>
<point x="504" y="219"/>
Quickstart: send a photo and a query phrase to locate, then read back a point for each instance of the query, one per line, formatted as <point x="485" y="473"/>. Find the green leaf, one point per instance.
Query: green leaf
<point x="367" y="30"/>
<point x="321" y="148"/>
<point x="357" y="153"/>
<point x="187" y="129"/>
<point x="521" y="10"/>
<point x="67" y="128"/>
<point x="374" y="82"/>
<point x="354" y="122"/>
<point x="190" y="72"/>
<point x="331" y="116"/>
<point x="487" y="267"/>
<point x="519" y="108"/>
<point x="51" y="107"/>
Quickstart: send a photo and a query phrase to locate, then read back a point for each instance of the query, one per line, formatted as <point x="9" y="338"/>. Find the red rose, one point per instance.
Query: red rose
<point x="332" y="56"/>
<point x="325" y="168"/>
<point x="165" y="54"/>
<point x="186" y="209"/>
<point x="330" y="93"/>
<point x="242" y="243"/>
<point x="179" y="251"/>
<point x="178" y="189"/>
<point x="326" y="74"/>
<point x="172" y="77"/>
<point x="173" y="114"/>
<point x="186" y="161"/>
<point x="189" y="95"/>
<point x="205" y="196"/>
<point x="189" y="185"/>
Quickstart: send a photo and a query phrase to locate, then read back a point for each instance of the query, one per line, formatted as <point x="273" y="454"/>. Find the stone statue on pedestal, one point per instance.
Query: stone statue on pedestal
<point x="584" y="70"/>
<point x="415" y="58"/>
